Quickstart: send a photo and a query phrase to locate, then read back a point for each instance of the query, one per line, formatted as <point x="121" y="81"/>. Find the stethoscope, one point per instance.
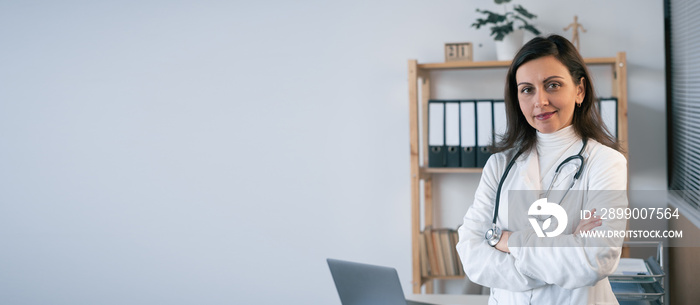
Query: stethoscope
<point x="493" y="235"/>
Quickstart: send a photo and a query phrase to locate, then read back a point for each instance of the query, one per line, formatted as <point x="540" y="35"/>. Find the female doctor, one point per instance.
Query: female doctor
<point x="554" y="141"/>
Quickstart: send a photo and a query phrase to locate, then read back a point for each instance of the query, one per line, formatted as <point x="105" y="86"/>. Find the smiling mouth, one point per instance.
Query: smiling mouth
<point x="544" y="116"/>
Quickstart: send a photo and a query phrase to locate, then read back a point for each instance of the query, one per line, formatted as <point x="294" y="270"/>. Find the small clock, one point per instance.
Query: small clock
<point x="459" y="51"/>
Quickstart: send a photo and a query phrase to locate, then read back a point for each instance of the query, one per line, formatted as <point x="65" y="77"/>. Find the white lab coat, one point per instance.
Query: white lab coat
<point x="541" y="270"/>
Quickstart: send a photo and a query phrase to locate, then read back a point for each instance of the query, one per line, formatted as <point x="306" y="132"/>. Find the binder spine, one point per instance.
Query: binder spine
<point x="484" y="135"/>
<point x="452" y="134"/>
<point x="436" y="134"/>
<point x="467" y="123"/>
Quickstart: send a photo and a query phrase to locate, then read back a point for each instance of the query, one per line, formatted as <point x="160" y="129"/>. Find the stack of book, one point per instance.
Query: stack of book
<point x="438" y="253"/>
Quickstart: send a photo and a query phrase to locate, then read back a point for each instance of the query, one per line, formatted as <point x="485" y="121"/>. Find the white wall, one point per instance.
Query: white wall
<point x="217" y="152"/>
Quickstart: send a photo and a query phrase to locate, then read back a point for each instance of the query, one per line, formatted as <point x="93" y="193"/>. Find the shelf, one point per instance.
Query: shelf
<point x="444" y="277"/>
<point x="500" y="64"/>
<point x="451" y="170"/>
<point x="601" y="60"/>
<point x="464" y="65"/>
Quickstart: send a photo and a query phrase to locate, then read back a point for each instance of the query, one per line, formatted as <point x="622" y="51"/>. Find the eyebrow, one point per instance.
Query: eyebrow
<point x="545" y="80"/>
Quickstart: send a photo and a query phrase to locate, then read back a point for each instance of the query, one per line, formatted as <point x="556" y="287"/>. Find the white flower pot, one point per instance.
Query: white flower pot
<point x="510" y="45"/>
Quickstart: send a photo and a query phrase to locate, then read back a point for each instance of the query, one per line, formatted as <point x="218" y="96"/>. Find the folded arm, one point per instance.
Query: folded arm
<point x="483" y="264"/>
<point x="572" y="261"/>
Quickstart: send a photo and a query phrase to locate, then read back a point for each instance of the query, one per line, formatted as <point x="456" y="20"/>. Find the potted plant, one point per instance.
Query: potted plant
<point x="508" y="39"/>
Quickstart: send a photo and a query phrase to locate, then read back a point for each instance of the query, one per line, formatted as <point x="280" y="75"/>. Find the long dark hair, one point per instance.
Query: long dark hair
<point x="586" y="121"/>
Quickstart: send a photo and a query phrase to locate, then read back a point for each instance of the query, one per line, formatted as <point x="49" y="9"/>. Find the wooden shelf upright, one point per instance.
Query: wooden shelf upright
<point x="419" y="78"/>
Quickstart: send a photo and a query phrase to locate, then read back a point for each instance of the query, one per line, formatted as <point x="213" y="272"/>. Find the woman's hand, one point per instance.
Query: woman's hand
<point x="588" y="224"/>
<point x="502" y="244"/>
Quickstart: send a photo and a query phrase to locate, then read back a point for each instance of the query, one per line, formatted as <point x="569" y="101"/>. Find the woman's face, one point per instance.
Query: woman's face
<point x="547" y="94"/>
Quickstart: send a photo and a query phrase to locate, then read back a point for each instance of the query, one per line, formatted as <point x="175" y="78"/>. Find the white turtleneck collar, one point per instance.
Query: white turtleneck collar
<point x="562" y="137"/>
<point x="552" y="146"/>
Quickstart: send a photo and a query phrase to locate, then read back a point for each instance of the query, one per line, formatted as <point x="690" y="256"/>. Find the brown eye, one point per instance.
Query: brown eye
<point x="553" y="85"/>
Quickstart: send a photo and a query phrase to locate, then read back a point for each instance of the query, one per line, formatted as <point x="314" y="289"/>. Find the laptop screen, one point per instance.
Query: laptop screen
<point x="362" y="284"/>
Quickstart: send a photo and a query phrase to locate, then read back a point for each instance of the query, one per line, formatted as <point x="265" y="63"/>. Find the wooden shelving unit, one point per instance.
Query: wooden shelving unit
<point x="419" y="78"/>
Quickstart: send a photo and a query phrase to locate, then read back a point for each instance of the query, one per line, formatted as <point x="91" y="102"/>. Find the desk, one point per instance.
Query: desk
<point x="450" y="299"/>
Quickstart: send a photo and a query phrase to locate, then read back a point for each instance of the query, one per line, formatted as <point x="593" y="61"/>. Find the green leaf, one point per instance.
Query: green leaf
<point x="527" y="26"/>
<point x="491" y="18"/>
<point x="524" y="12"/>
<point x="500" y="31"/>
<point x="501" y="1"/>
<point x="499" y="36"/>
<point x="530" y="28"/>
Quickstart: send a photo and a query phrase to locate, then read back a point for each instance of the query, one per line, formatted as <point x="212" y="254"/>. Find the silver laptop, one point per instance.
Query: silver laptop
<point x="362" y="284"/>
